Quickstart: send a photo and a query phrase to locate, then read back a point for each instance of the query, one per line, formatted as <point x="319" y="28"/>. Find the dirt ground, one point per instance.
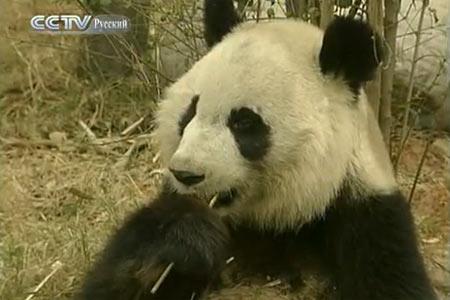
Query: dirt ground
<point x="430" y="205"/>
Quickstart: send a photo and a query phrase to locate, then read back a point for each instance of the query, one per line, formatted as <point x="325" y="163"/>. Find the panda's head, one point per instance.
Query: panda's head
<point x="273" y="118"/>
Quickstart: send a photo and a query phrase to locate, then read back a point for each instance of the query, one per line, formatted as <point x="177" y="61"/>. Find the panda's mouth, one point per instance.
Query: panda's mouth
<point x="224" y="198"/>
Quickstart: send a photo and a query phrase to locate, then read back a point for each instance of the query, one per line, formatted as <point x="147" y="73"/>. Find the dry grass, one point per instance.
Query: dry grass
<point x="59" y="206"/>
<point x="62" y="196"/>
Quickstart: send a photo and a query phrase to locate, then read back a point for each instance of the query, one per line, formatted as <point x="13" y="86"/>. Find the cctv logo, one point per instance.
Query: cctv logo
<point x="60" y="23"/>
<point x="73" y="24"/>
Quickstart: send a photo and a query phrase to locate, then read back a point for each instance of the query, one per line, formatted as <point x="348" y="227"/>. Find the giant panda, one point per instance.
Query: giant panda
<point x="273" y="121"/>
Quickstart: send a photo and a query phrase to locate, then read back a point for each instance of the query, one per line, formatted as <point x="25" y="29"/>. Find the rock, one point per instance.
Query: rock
<point x="433" y="49"/>
<point x="431" y="70"/>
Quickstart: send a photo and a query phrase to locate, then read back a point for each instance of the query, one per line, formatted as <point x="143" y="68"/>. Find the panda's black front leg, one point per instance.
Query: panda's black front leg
<point x="373" y="250"/>
<point x="174" y="229"/>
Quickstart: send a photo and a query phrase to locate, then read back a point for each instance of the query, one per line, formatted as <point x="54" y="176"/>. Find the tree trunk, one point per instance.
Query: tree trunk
<point x="326" y="12"/>
<point x="314" y="12"/>
<point x="373" y="88"/>
<point x="391" y="10"/>
<point x="113" y="56"/>
<point x="297" y="9"/>
<point x="242" y="5"/>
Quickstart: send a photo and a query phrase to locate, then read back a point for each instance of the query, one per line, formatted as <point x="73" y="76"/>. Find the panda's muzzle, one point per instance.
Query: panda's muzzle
<point x="189" y="179"/>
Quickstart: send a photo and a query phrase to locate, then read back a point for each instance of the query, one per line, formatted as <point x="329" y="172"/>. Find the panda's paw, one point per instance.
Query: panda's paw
<point x="173" y="249"/>
<point x="188" y="257"/>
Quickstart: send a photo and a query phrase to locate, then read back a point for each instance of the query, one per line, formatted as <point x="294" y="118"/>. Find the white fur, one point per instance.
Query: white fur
<point x="319" y="133"/>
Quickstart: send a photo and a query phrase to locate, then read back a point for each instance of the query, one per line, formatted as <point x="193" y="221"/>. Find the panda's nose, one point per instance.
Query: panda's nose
<point x="186" y="177"/>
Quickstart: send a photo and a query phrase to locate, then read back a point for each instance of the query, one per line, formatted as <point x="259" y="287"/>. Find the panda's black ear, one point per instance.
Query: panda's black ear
<point x="350" y="49"/>
<point x="219" y="18"/>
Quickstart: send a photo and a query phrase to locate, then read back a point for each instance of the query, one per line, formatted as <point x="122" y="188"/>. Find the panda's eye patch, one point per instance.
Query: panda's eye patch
<point x="188" y="115"/>
<point x="251" y="134"/>
<point x="244" y="120"/>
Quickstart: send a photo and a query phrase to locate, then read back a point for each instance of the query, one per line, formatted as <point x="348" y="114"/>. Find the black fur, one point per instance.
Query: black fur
<point x="372" y="247"/>
<point x="286" y="256"/>
<point x="250" y="132"/>
<point x="367" y="247"/>
<point x="173" y="228"/>
<point x="188" y="115"/>
<point x="350" y="49"/>
<point x="219" y="18"/>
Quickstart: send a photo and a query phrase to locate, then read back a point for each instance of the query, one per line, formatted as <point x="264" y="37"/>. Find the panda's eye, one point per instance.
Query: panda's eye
<point x="250" y="132"/>
<point x="243" y="124"/>
<point x="244" y="120"/>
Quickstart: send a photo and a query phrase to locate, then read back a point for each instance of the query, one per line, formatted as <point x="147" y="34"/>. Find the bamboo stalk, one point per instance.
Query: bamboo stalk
<point x="419" y="170"/>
